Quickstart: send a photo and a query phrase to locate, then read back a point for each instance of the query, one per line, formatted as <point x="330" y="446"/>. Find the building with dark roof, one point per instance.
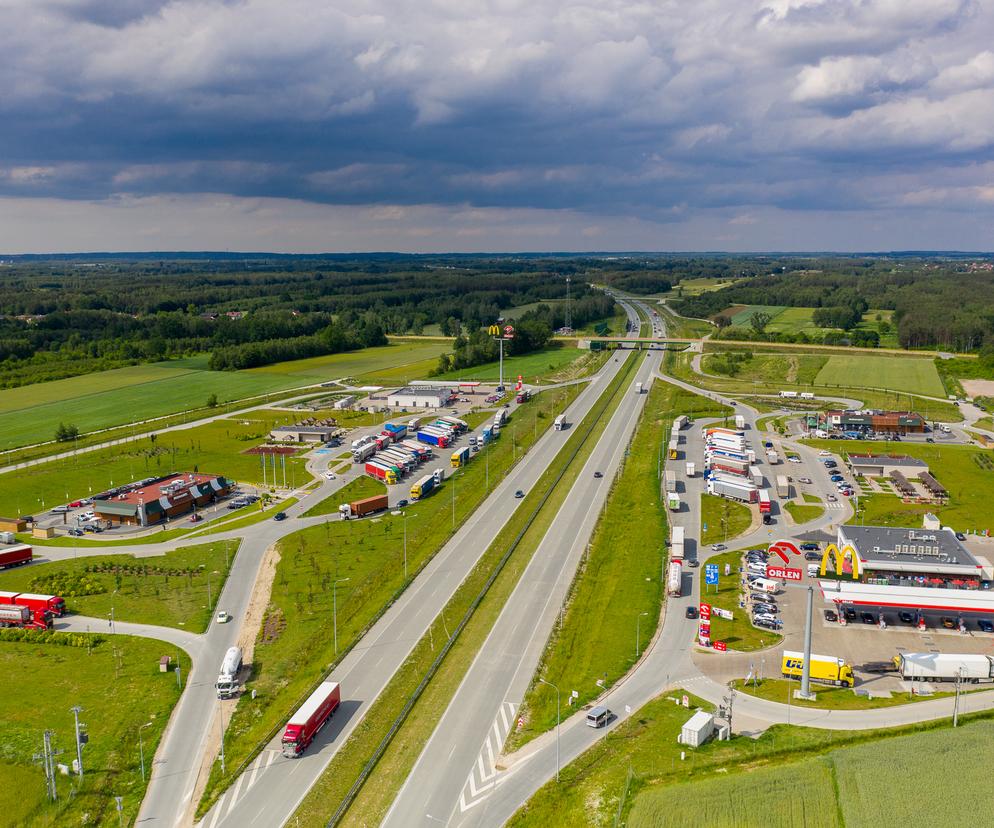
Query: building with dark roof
<point x="157" y="500"/>
<point x="883" y="465"/>
<point x="911" y="557"/>
<point x="882" y="422"/>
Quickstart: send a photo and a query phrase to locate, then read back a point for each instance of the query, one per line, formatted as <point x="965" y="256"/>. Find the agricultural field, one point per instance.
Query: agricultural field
<point x="171" y="590"/>
<point x="916" y="375"/>
<point x="722" y="519"/>
<point x="695" y="287"/>
<point x="744" y="313"/>
<point x="774" y="369"/>
<point x="118" y="684"/>
<point x="619" y="577"/>
<point x="31" y="413"/>
<point x="966" y="472"/>
<point x="534" y="368"/>
<point x="837" y="789"/>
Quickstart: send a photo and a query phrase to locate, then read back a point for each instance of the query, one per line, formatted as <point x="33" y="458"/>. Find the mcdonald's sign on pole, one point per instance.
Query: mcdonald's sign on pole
<point x="846" y="560"/>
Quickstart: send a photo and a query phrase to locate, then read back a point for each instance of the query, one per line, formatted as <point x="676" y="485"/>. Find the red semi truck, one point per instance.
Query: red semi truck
<point x="15" y="556"/>
<point x="366" y="506"/>
<point x="310" y="718"/>
<point x="35" y="603"/>
<point x="12" y="615"/>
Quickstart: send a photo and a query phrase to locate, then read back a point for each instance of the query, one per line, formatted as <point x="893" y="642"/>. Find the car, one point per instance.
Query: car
<point x="58" y="510"/>
<point x="767" y="444"/>
<point x="960" y="536"/>
<point x="831" y="498"/>
<point x="771" y="609"/>
<point x="195" y="518"/>
<point x="519" y="494"/>
<point x="806" y="480"/>
<point x="793" y="459"/>
<point x="809" y="546"/>
<point x="76" y="533"/>
<point x="752" y="557"/>
<point x="948" y="623"/>
<point x="831" y="615"/>
<point x="222" y="617"/>
<point x="767" y="623"/>
<point x="985" y="625"/>
<point x="867" y="618"/>
<point x="279" y="516"/>
<point x="76" y="504"/>
<point x="331" y="475"/>
<point x="847" y="492"/>
<point x="812" y="556"/>
<point x="929" y="440"/>
<point x="402" y="502"/>
<point x="718" y="547"/>
<point x="693" y="563"/>
<point x="690" y="612"/>
<point x="598" y="475"/>
<point x="767" y="519"/>
<point x="836" y="478"/>
<point x="849" y="613"/>
<point x="824" y="453"/>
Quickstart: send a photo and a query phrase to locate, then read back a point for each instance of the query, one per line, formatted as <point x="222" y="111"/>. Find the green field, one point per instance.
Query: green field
<point x="835" y="698"/>
<point x="356" y="490"/>
<point x="619" y="579"/>
<point x="774" y="369"/>
<point x="916" y="375"/>
<point x="739" y="633"/>
<point x="31" y="413"/>
<point x="170" y="590"/>
<point x="864" y="786"/>
<point x="803" y="512"/>
<point x="120" y="688"/>
<point x="534" y="368"/>
<point x="299" y="647"/>
<point x="722" y="519"/>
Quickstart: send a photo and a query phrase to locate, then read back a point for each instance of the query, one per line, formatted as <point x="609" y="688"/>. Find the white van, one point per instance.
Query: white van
<point x="813" y="570"/>
<point x="598" y="716"/>
<point x="765" y="585"/>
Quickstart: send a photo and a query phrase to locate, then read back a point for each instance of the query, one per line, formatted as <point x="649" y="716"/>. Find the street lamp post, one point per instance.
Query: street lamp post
<point x="334" y="601"/>
<point x="638" y="622"/>
<point x="557" y="723"/>
<point x="141" y="747"/>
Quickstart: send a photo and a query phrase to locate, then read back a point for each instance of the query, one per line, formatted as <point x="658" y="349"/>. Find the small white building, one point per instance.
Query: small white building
<point x="423" y="396"/>
<point x="345" y="402"/>
<point x="697" y="730"/>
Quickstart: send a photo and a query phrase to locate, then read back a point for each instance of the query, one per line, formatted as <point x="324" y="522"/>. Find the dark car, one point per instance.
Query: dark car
<point x="279" y="516"/>
<point x="948" y="623"/>
<point x="960" y="536"/>
<point x="767" y="624"/>
<point x="929" y="440"/>
<point x="985" y="625"/>
<point x="812" y="556"/>
<point x="831" y="615"/>
<point x="692" y="563"/>
<point x="767" y="519"/>
<point x="691" y="612"/>
<point x="807" y="547"/>
<point x="519" y="493"/>
<point x="906" y="617"/>
<point x="598" y="475"/>
<point x="849" y="613"/>
<point x="402" y="502"/>
<point x="867" y="618"/>
<point x="77" y="533"/>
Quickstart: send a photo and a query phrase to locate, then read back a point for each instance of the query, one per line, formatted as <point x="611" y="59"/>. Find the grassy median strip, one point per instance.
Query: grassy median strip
<point x="618" y="590"/>
<point x="295" y="648"/>
<point x="399" y="723"/>
<point x="722" y="519"/>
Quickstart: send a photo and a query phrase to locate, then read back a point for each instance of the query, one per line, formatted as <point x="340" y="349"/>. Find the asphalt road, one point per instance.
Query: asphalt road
<point x="459" y="754"/>
<point x="272" y="787"/>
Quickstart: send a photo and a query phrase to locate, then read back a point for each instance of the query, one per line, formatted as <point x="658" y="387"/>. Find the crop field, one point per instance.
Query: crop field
<point x="916" y="375"/>
<point x="745" y="315"/>
<point x="120" y="688"/>
<point x="31" y="413"/>
<point x="170" y="590"/>
<point x="775" y="369"/>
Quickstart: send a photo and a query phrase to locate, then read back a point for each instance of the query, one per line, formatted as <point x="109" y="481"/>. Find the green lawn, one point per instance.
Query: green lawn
<point x="168" y="590"/>
<point x="394" y="766"/>
<point x="31" y="413"/>
<point x="828" y="697"/>
<point x="739" y="633"/>
<point x="620" y="577"/>
<point x="743" y="317"/>
<point x="960" y="469"/>
<point x="722" y="519"/>
<point x="532" y="367"/>
<point x="916" y="375"/>
<point x="778" y="369"/>
<point x="120" y="688"/>
<point x="355" y="490"/>
<point x="802" y="513"/>
<point x="370" y="553"/>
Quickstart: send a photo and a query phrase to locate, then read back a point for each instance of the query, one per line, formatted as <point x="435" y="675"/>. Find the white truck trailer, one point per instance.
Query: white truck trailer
<point x="740" y="421"/>
<point x="783" y="486"/>
<point x="673" y="501"/>
<point x="946" y="667"/>
<point x="670" y="480"/>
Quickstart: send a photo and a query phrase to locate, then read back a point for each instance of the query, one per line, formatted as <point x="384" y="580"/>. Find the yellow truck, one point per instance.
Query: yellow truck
<point x="824" y="669"/>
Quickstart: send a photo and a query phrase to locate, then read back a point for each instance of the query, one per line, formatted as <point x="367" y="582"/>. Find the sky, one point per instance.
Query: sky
<point x="508" y="125"/>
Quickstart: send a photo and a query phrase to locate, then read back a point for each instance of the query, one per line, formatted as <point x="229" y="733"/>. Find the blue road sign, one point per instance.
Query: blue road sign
<point x="710" y="573"/>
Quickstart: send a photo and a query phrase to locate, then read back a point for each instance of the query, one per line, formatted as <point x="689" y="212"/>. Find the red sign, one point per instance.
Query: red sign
<point x="705" y="629"/>
<point x="705" y="611"/>
<point x="781" y="548"/>
<point x="784" y="572"/>
<point x="720" y="646"/>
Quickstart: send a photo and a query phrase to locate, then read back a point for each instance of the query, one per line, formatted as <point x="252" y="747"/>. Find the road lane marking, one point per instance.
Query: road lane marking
<point x="234" y="794"/>
<point x="217" y="810"/>
<point x="255" y="770"/>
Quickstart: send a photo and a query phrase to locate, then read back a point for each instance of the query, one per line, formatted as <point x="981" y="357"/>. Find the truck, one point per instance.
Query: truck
<point x="423" y="487"/>
<point x="764" y="501"/>
<point x="823" y="669"/>
<point x="459" y="458"/>
<point x="673" y="501"/>
<point x="363" y="452"/>
<point x="772" y="457"/>
<point x="500" y="417"/>
<point x="680" y="422"/>
<point x="691" y="469"/>
<point x="756" y="476"/>
<point x="559" y="423"/>
<point x="946" y="667"/>
<point x="227" y="680"/>
<point x="17" y="616"/>
<point x="670" y="480"/>
<point x="420" y="449"/>
<point x="740" y="421"/>
<point x="788" y="395"/>
<point x="523" y="396"/>
<point x="454" y="422"/>
<point x="310" y="717"/>
<point x="488" y="435"/>
<point x="674" y="448"/>
<point x="35" y="602"/>
<point x="676" y="543"/>
<point x="381" y="472"/>
<point x="381" y="441"/>
<point x="413" y="424"/>
<point x="730" y="467"/>
<point x="731" y="432"/>
<point x="723" y="487"/>
<point x="432" y="439"/>
<point x="366" y="506"/>
<point x="638" y="388"/>
<point x="15" y="556"/>
<point x="807" y="395"/>
<point x="398" y="430"/>
<point x="674" y="578"/>
<point x="783" y="486"/>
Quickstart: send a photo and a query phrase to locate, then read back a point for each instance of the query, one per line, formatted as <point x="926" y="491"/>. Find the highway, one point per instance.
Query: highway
<point x="460" y="753"/>
<point x="272" y="787"/>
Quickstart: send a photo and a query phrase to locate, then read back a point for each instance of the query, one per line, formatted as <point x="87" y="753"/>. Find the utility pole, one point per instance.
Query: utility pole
<point x="557" y="723"/>
<point x="76" y="710"/>
<point x="47" y="760"/>
<point x="959" y="678"/>
<point x="806" y="668"/>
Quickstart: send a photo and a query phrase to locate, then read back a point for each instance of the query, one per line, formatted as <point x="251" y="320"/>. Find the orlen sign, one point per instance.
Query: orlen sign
<point x="784" y="573"/>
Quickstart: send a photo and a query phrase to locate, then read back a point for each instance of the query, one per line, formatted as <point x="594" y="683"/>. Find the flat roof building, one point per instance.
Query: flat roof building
<point x="308" y="431"/>
<point x="911" y="557"/>
<point x="159" y="499"/>
<point x="887" y="422"/>
<point x="421" y="396"/>
<point x="883" y="465"/>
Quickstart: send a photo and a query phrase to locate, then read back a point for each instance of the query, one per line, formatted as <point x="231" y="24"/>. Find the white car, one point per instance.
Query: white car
<point x="222" y="617"/>
<point x="794" y="459"/>
<point x="824" y="453"/>
<point x="331" y="475"/>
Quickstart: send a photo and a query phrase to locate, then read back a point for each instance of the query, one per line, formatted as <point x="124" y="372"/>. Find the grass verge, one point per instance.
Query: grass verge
<point x="620" y="578"/>
<point x="828" y="697"/>
<point x="739" y="633"/>
<point x="722" y="519"/>
<point x="355" y="490"/>
<point x="500" y="567"/>
<point x="802" y="513"/>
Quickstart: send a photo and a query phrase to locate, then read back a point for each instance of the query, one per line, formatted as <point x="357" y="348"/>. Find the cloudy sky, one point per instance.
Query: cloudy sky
<point x="323" y="125"/>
